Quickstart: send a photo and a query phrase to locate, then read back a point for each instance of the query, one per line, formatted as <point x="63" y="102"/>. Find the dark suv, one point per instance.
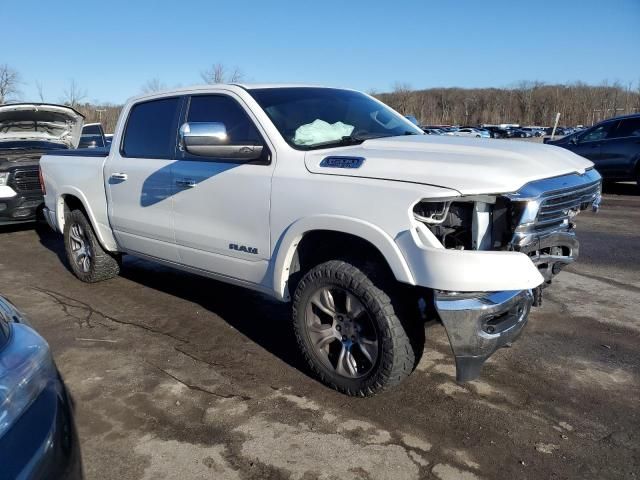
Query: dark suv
<point x="613" y="145"/>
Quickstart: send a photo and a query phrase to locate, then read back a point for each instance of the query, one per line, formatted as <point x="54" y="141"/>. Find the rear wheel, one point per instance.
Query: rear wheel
<point x="348" y="330"/>
<point x="89" y="261"/>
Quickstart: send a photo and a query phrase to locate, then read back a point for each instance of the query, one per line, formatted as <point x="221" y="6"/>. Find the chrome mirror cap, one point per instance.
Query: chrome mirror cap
<point x="210" y="139"/>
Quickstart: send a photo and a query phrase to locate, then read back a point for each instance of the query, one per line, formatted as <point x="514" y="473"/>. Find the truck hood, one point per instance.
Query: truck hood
<point x="468" y="165"/>
<point x="40" y="122"/>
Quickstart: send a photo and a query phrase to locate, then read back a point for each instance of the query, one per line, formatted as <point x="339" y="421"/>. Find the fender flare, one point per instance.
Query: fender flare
<point x="103" y="232"/>
<point x="288" y="243"/>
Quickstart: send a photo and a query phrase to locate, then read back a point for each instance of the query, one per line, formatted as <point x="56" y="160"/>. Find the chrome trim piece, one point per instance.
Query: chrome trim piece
<point x="478" y="324"/>
<point x="546" y="221"/>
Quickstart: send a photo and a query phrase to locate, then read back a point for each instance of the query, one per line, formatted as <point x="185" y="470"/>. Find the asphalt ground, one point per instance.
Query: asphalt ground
<point x="176" y="376"/>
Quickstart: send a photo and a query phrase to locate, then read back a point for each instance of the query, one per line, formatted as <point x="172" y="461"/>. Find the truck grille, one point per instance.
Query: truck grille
<point x="557" y="208"/>
<point x="26" y="180"/>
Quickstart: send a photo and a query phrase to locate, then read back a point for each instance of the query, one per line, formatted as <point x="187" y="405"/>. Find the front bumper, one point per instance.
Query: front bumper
<point x="478" y="324"/>
<point x="19" y="208"/>
<point x="551" y="252"/>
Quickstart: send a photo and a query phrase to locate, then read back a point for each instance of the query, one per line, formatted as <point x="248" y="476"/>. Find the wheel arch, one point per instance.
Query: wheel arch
<point x="72" y="198"/>
<point x="341" y="234"/>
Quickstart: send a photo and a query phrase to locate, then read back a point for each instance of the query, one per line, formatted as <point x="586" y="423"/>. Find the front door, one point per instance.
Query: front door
<point x="621" y="150"/>
<point x="589" y="143"/>
<point x="221" y="210"/>
<point x="140" y="182"/>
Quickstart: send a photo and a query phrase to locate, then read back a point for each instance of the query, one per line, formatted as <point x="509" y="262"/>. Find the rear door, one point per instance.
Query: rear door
<point x="221" y="209"/>
<point x="621" y="150"/>
<point x="139" y="179"/>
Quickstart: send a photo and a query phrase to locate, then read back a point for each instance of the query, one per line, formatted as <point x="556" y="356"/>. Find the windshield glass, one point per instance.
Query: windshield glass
<point x="30" y="145"/>
<point x="309" y="117"/>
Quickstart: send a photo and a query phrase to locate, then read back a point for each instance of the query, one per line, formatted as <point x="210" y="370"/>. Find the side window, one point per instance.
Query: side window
<point x="628" y="127"/>
<point x="599" y="132"/>
<point x="223" y="109"/>
<point x="151" y="129"/>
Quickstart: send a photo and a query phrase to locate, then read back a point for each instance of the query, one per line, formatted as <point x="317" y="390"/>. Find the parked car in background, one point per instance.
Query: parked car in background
<point x="560" y="131"/>
<point x="330" y="200"/>
<point x="533" y="131"/>
<point x="38" y="438"/>
<point x="432" y="131"/>
<point x="518" y="133"/>
<point x="27" y="130"/>
<point x="613" y="146"/>
<point x="497" y="132"/>
<point x="471" y="132"/>
<point x="92" y="136"/>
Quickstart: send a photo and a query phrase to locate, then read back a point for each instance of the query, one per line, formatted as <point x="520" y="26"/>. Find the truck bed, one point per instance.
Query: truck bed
<point x="78" y="173"/>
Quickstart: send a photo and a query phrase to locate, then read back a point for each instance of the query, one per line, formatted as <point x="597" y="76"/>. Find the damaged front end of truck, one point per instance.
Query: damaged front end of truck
<point x="538" y="221"/>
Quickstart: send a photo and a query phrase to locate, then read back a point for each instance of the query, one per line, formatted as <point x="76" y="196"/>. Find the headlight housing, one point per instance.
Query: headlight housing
<point x="4" y="178"/>
<point x="464" y="222"/>
<point x="26" y="367"/>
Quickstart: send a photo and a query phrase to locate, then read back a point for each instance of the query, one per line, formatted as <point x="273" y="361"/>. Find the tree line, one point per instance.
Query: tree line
<point x="528" y="103"/>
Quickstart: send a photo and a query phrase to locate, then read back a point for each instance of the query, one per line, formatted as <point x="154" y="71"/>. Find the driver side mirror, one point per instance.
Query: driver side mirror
<point x="574" y="140"/>
<point x="210" y="139"/>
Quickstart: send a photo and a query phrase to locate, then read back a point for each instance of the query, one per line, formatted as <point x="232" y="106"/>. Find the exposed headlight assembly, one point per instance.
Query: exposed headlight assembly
<point x="431" y="212"/>
<point x="26" y="367"/>
<point x="4" y="178"/>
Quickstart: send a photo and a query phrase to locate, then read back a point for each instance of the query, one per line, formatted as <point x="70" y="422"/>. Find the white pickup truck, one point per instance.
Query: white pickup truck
<point x="330" y="200"/>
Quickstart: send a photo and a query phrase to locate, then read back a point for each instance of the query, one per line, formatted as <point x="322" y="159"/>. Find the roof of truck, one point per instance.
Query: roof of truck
<point x="245" y="86"/>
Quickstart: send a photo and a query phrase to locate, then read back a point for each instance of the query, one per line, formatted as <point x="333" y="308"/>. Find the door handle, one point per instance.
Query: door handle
<point x="186" y="182"/>
<point x="119" y="176"/>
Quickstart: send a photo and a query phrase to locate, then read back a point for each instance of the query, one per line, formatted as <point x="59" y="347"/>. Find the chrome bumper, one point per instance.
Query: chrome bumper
<point x="550" y="252"/>
<point x="478" y="324"/>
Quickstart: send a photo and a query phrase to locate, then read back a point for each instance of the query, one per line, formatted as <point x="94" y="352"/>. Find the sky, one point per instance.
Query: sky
<point x="112" y="48"/>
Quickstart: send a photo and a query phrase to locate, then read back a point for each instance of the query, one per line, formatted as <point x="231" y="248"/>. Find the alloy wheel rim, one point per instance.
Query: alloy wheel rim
<point x="82" y="254"/>
<point x="341" y="332"/>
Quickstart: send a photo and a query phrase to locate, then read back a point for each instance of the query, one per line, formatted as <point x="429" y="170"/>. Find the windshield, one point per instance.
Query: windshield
<point x="30" y="145"/>
<point x="309" y="117"/>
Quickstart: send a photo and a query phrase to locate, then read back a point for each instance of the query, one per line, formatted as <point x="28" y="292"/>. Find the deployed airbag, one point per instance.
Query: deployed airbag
<point x="320" y="131"/>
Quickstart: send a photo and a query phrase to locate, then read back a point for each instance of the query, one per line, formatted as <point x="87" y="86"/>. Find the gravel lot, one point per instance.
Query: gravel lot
<point x="176" y="376"/>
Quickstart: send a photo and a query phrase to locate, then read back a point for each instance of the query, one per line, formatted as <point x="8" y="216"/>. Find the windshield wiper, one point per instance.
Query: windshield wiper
<point x="347" y="140"/>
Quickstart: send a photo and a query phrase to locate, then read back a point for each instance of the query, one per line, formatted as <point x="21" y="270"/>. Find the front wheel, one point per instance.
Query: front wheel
<point x="348" y="330"/>
<point x="89" y="261"/>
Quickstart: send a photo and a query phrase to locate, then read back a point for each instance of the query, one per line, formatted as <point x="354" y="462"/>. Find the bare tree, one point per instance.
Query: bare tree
<point x="40" y="90"/>
<point x="9" y="83"/>
<point x="528" y="103"/>
<point x="403" y="93"/>
<point x="73" y="95"/>
<point x="153" y="85"/>
<point x="218" y="73"/>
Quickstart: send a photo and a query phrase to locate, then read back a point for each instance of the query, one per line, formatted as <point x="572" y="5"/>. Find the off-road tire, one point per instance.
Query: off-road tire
<point x="397" y="353"/>
<point x="104" y="265"/>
